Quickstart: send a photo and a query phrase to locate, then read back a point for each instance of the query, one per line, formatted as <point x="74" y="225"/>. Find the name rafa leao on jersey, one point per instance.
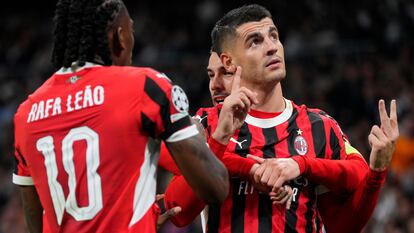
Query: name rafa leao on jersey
<point x="86" y="98"/>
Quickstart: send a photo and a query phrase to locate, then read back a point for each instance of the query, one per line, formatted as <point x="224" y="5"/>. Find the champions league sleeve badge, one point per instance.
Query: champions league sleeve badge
<point x="179" y="99"/>
<point x="300" y="144"/>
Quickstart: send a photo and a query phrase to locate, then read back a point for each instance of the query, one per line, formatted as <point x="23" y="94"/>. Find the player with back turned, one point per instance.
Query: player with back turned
<point x="87" y="141"/>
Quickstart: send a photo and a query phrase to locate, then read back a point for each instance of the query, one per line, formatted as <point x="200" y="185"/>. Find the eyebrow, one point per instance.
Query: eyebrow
<point x="221" y="68"/>
<point x="273" y="29"/>
<point x="252" y="35"/>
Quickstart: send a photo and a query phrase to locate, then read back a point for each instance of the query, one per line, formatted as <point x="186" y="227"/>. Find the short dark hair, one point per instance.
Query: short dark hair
<point x="80" y="32"/>
<point x="225" y="28"/>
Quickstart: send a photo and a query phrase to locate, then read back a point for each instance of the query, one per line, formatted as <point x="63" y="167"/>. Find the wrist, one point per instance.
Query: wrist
<point x="253" y="169"/>
<point x="216" y="147"/>
<point x="301" y="161"/>
<point x="377" y="169"/>
<point x="221" y="137"/>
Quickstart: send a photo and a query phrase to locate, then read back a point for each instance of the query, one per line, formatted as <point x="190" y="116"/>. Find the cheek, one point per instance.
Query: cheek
<point x="227" y="85"/>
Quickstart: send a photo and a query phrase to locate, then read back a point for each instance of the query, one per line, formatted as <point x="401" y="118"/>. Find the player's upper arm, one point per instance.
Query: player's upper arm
<point x="21" y="173"/>
<point x="164" y="109"/>
<point x="339" y="144"/>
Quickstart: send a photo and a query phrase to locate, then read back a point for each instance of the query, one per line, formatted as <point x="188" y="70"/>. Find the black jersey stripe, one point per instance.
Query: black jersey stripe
<point x="239" y="199"/>
<point x="17" y="162"/>
<point x="270" y="137"/>
<point x="310" y="212"/>
<point x="318" y="224"/>
<point x="265" y="204"/>
<point x="318" y="134"/>
<point x="155" y="92"/>
<point x="265" y="213"/>
<point x="213" y="222"/>
<point x="334" y="143"/>
<point x="291" y="217"/>
<point x="203" y="119"/>
<point x="245" y="139"/>
<point x="238" y="207"/>
<point x="148" y="125"/>
<point x="292" y="131"/>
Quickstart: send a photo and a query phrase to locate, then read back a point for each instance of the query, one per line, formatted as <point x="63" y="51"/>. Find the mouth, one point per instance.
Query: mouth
<point x="219" y="99"/>
<point x="274" y="62"/>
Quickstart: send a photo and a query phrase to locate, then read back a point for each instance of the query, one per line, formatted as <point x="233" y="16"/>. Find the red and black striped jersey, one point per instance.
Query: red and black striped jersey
<point x="89" y="141"/>
<point x="297" y="131"/>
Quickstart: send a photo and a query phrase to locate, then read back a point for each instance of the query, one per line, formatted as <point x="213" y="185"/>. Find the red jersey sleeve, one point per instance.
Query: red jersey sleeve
<point x="167" y="162"/>
<point x="164" y="111"/>
<point x="21" y="173"/>
<point x="179" y="193"/>
<point x="336" y="175"/>
<point x="338" y="212"/>
<point x="342" y="168"/>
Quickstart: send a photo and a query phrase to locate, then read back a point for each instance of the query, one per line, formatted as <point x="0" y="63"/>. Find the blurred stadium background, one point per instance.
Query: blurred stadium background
<point x="342" y="56"/>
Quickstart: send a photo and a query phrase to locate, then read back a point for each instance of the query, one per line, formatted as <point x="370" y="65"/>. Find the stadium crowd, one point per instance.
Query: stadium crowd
<point x="341" y="57"/>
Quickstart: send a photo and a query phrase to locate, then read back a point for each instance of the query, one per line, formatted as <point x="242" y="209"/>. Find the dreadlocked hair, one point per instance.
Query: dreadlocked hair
<point x="81" y="28"/>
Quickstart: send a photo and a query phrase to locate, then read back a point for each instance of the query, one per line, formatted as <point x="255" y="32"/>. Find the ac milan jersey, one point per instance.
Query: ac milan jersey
<point x="296" y="131"/>
<point x="88" y="139"/>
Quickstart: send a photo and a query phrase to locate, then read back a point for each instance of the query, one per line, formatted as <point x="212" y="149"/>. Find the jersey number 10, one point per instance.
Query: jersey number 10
<point x="46" y="146"/>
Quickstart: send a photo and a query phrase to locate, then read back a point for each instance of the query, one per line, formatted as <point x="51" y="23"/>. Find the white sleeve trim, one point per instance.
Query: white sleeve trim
<point x="22" y="180"/>
<point x="183" y="134"/>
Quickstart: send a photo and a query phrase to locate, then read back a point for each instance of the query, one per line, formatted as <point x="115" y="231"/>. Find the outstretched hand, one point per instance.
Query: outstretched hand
<point x="167" y="214"/>
<point x="382" y="139"/>
<point x="234" y="110"/>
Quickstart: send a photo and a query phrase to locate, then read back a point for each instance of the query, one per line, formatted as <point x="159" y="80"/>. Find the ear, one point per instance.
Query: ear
<point x="118" y="41"/>
<point x="227" y="62"/>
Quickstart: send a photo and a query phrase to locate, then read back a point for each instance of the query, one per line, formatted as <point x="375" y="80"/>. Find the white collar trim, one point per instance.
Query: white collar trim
<point x="271" y="122"/>
<point x="69" y="70"/>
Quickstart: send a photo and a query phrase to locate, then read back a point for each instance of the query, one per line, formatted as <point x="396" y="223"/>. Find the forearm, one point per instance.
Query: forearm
<point x="203" y="171"/>
<point x="179" y="193"/>
<point x="33" y="210"/>
<point x="336" y="175"/>
<point x="237" y="166"/>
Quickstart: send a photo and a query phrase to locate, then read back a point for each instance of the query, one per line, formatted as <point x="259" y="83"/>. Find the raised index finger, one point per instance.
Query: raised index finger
<point x="393" y="111"/>
<point x="236" y="80"/>
<point x="385" y="120"/>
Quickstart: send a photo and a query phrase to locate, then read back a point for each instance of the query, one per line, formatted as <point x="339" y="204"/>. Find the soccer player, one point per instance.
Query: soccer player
<point x="247" y="37"/>
<point x="87" y="141"/>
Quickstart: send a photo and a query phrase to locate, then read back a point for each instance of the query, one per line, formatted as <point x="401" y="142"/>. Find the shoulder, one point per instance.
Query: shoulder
<point x="207" y="115"/>
<point x="315" y="114"/>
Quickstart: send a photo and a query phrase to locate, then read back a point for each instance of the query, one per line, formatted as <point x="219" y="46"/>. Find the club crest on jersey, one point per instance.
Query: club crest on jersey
<point x="300" y="144"/>
<point x="179" y="99"/>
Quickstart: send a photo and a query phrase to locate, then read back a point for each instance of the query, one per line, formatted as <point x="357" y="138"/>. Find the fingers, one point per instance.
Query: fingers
<point x="279" y="182"/>
<point x="289" y="202"/>
<point x="284" y="195"/>
<point x="256" y="158"/>
<point x="374" y="142"/>
<point x="393" y="111"/>
<point x="385" y="120"/>
<point x="159" y="197"/>
<point x="383" y="112"/>
<point x="236" y="79"/>
<point x="394" y="121"/>
<point x="377" y="132"/>
<point x="258" y="174"/>
<point x="167" y="215"/>
<point x="250" y="94"/>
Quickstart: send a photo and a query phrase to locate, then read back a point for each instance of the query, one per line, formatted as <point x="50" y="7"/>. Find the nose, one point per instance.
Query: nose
<point x="271" y="46"/>
<point x="216" y="83"/>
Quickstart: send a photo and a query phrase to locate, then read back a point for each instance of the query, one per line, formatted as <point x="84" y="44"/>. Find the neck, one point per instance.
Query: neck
<point x="270" y="97"/>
